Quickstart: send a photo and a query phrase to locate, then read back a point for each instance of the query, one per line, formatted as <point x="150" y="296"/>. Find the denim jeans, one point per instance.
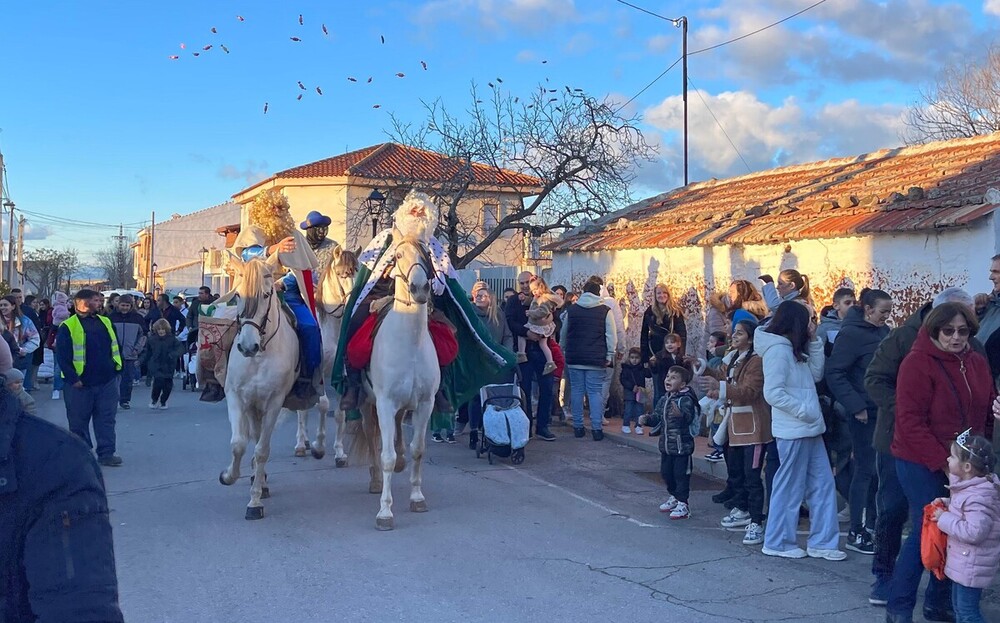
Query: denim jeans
<point x="862" y="491"/>
<point x="633" y="410"/>
<point x="921" y="486"/>
<point x="531" y="372"/>
<point x="57" y="379"/>
<point x="753" y="482"/>
<point x="965" y="602"/>
<point x="892" y="514"/>
<point x="804" y="474"/>
<point x="125" y="385"/>
<point x="97" y="404"/>
<point x="591" y="383"/>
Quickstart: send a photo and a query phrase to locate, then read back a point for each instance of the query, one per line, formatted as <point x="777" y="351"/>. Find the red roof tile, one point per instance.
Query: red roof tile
<point x="391" y="161"/>
<point x="933" y="186"/>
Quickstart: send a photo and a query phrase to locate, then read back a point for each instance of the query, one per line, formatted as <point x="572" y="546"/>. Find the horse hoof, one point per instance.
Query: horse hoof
<point x="375" y="487"/>
<point x="265" y="493"/>
<point x="300" y="452"/>
<point x="317" y="454"/>
<point x="254" y="513"/>
<point x="340" y="462"/>
<point x="418" y="506"/>
<point x="382" y="523"/>
<point x="222" y="479"/>
<point x="308" y="444"/>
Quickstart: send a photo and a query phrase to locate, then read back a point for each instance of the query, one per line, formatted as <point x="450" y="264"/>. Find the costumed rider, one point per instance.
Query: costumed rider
<point x="469" y="356"/>
<point x="317" y="226"/>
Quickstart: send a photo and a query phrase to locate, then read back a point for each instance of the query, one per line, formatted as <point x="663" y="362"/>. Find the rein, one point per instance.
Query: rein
<point x="262" y="327"/>
<point x="342" y="307"/>
<point x="425" y="263"/>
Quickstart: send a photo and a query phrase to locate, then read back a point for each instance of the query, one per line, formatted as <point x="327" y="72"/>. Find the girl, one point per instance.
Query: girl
<point x="56" y="316"/>
<point x="25" y="335"/>
<point x="160" y="357"/>
<point x="792" y="285"/>
<point x="544" y="302"/>
<point x="661" y="319"/>
<point x="972" y="523"/>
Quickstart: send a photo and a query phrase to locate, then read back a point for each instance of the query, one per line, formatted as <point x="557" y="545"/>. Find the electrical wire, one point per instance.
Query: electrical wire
<point x="654" y="81"/>
<point x="646" y="11"/>
<point x="718" y="123"/>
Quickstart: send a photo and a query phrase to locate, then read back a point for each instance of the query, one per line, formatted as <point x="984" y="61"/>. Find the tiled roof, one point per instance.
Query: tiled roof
<point x="933" y="186"/>
<point x="391" y="161"/>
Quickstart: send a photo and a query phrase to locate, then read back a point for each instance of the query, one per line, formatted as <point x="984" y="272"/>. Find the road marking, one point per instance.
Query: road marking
<point x="581" y="498"/>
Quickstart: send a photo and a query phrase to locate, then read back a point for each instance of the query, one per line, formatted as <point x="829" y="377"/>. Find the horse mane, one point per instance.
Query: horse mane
<point x="251" y="285"/>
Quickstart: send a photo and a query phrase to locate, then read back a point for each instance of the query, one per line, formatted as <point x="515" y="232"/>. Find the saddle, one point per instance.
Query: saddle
<point x="359" y="348"/>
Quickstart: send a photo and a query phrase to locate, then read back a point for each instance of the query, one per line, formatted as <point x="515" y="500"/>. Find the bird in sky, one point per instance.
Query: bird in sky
<point x="500" y="80"/>
<point x="302" y="86"/>
<point x="183" y="45"/>
<point x="377" y="106"/>
<point x="299" y="96"/>
<point x="196" y="53"/>
<point x="382" y="37"/>
<point x="352" y="78"/>
<point x="207" y="47"/>
<point x="301" y="23"/>
<point x="543" y="62"/>
<point x="265" y="103"/>
<point x="325" y="31"/>
<point x="240" y="17"/>
<point x="214" y="31"/>
<point x="295" y="39"/>
<point x="173" y="57"/>
<point x="319" y="90"/>
<point x="369" y="79"/>
<point x="224" y="48"/>
<point x="400" y="74"/>
<point x="424" y="65"/>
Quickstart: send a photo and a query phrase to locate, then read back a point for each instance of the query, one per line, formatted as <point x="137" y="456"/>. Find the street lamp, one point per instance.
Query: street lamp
<point x="374" y="205"/>
<point x="204" y="257"/>
<point x="682" y="23"/>
<point x="152" y="279"/>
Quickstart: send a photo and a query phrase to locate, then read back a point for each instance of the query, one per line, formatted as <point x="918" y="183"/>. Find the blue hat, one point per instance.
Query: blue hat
<point x="742" y="314"/>
<point x="315" y="219"/>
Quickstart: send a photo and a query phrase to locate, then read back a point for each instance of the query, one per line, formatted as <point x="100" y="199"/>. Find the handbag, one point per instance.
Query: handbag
<point x="743" y="421"/>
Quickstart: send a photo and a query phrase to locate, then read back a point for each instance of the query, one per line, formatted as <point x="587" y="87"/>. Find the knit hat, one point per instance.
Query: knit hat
<point x="13" y="375"/>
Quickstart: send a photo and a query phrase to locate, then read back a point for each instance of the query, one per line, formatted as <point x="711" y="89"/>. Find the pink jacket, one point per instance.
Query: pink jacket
<point x="972" y="523"/>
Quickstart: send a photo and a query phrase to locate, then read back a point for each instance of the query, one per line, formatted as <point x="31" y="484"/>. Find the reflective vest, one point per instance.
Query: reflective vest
<point x="79" y="339"/>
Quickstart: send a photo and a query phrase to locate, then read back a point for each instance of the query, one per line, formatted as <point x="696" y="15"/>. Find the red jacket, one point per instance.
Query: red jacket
<point x="938" y="396"/>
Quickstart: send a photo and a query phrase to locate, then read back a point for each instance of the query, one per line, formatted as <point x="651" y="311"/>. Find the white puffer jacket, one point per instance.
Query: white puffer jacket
<point x="790" y="386"/>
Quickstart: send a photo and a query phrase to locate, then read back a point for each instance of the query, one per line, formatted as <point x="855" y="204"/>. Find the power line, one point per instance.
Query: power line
<point x="654" y="81"/>
<point x="646" y="11"/>
<point x="735" y="148"/>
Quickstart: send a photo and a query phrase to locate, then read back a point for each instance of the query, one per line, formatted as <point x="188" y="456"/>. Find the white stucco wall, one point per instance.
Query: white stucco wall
<point x="911" y="267"/>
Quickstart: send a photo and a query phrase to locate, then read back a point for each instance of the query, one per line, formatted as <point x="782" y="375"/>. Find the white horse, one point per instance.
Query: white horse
<point x="331" y="300"/>
<point x="404" y="375"/>
<point x="258" y="381"/>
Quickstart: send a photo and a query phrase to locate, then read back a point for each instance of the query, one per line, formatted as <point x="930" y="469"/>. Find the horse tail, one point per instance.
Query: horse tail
<point x="361" y="436"/>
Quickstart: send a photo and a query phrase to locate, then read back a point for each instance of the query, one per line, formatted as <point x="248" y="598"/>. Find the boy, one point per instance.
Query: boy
<point x="633" y="379"/>
<point x="675" y="413"/>
<point x="716" y="348"/>
<point x="15" y="384"/>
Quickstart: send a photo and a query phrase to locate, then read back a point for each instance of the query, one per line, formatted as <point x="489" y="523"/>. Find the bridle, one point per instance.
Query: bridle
<point x="344" y="295"/>
<point x="424" y="262"/>
<point x="262" y="327"/>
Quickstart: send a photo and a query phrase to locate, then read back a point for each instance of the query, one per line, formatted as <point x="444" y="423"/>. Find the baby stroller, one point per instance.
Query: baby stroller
<point x="506" y="429"/>
<point x="189" y="362"/>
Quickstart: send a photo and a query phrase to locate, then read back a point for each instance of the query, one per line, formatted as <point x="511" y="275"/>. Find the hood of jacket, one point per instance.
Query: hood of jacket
<point x="764" y="341"/>
<point x="589" y="300"/>
<point x="855" y="319"/>
<point x="924" y="344"/>
<point x="916" y="319"/>
<point x="830" y="318"/>
<point x="131" y="317"/>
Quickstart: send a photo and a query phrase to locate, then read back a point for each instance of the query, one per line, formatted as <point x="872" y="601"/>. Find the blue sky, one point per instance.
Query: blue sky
<point x="98" y="124"/>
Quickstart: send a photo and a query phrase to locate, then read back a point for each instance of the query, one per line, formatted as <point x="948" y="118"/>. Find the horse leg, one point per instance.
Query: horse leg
<point x="370" y="424"/>
<point x="319" y="448"/>
<point x="386" y="414"/>
<point x="341" y="419"/>
<point x="400" y="445"/>
<point x="237" y="444"/>
<point x="255" y="509"/>
<point x="421" y="417"/>
<point x="302" y="434"/>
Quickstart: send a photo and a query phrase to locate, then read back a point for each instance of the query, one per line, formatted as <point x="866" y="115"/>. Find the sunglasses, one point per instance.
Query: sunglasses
<point x="950" y="331"/>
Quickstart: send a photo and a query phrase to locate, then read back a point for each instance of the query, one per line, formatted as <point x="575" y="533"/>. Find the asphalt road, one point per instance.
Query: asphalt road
<point x="573" y="534"/>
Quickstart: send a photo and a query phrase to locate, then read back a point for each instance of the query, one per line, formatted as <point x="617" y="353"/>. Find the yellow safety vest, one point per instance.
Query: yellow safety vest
<point x="79" y="339"/>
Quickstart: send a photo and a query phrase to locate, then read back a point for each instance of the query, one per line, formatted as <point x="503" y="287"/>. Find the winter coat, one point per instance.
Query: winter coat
<point x="938" y="396"/>
<point x="160" y="355"/>
<point x="632" y="376"/>
<point x="171" y="314"/>
<point x="131" y="331"/>
<point x="26" y="335"/>
<point x="588" y="345"/>
<point x="743" y="386"/>
<point x="618" y="317"/>
<point x="652" y="333"/>
<point x="972" y="523"/>
<point x="829" y="322"/>
<point x="499" y="330"/>
<point x="845" y="367"/>
<point x="56" y="553"/>
<point x="516" y="314"/>
<point x="790" y="386"/>
<point x="676" y="439"/>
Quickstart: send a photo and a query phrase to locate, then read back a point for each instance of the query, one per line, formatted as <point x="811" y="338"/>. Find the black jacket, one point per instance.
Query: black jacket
<point x="160" y="355"/>
<point x="652" y="333"/>
<point x="57" y="561"/>
<point x="852" y="352"/>
<point x="631" y="376"/>
<point x="516" y="313"/>
<point x="676" y="439"/>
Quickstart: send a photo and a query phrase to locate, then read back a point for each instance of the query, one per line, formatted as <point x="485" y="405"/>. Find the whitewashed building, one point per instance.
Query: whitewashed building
<point x="909" y="221"/>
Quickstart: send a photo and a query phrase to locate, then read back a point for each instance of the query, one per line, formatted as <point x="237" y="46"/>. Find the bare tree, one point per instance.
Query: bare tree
<point x="49" y="270"/>
<point x="583" y="152"/>
<point x="964" y="102"/>
<point x="116" y="262"/>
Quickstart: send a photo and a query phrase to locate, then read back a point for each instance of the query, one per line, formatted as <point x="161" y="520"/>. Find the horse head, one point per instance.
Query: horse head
<point x="338" y="282"/>
<point x="257" y="305"/>
<point x="413" y="270"/>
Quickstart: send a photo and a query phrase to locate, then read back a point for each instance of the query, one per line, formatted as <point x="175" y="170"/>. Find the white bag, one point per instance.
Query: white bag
<point x="504" y="427"/>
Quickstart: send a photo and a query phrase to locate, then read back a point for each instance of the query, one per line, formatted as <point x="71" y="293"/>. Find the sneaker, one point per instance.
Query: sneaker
<point x="522" y="358"/>
<point x="125" y="405"/>
<point x="450" y="438"/>
<point x="545" y="435"/>
<point x="860" y="542"/>
<point x="598" y="435"/>
<point x="549" y="368"/>
<point x="826" y="554"/>
<point x="680" y="511"/>
<point x="880" y="591"/>
<point x="163" y="406"/>
<point x="579" y="432"/>
<point x="795" y="552"/>
<point x="669" y="505"/>
<point x="111" y="460"/>
<point x="715" y="456"/>
<point x="754" y="534"/>
<point x="638" y="430"/>
<point x="437" y="438"/>
<point x="56" y="394"/>
<point x="154" y="405"/>
<point x="736" y="519"/>
<point x="626" y="430"/>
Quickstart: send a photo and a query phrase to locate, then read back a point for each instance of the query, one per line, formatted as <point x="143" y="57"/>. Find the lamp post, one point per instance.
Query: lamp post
<point x="374" y="205"/>
<point x="204" y="257"/>
<point x="682" y="23"/>
<point x="9" y="205"/>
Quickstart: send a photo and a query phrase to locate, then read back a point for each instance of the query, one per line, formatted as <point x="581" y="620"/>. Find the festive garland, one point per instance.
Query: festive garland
<point x="270" y="212"/>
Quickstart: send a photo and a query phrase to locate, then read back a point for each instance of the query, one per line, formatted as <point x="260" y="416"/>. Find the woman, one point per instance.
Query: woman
<point x="659" y="320"/>
<point x="792" y="285"/>
<point x="23" y="332"/>
<point x="739" y="385"/>
<point x="55" y="317"/>
<point x="489" y="314"/>
<point x="742" y="296"/>
<point x="793" y="364"/>
<point x="861" y="331"/>
<point x="943" y="388"/>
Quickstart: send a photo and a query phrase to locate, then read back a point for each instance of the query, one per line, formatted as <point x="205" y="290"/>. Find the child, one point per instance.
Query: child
<point x="15" y="383"/>
<point x="633" y="379"/>
<point x="972" y="523"/>
<point x="675" y="412"/>
<point x="716" y="348"/>
<point x="544" y="302"/>
<point x="160" y="358"/>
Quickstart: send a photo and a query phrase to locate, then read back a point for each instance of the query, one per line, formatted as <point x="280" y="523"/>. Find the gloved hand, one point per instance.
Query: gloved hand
<point x="766" y="279"/>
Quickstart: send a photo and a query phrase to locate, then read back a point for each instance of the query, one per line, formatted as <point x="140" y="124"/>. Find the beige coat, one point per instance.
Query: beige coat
<point x="746" y="389"/>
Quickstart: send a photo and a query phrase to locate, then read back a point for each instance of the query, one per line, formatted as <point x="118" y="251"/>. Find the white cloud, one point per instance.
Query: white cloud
<point x="658" y="44"/>
<point x="495" y="16"/>
<point x="580" y="43"/>
<point x="36" y="232"/>
<point x="767" y="135"/>
<point x="251" y="172"/>
<point x="991" y="7"/>
<point x="526" y="56"/>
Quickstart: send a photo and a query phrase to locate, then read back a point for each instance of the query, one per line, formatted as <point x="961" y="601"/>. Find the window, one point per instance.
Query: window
<point x="491" y="217"/>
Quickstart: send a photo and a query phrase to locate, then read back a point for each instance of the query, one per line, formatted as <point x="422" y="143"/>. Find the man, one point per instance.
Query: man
<point x="164" y="309"/>
<point x="988" y="334"/>
<point x="516" y="312"/>
<point x="130" y="327"/>
<point x="589" y="339"/>
<point x="87" y="350"/>
<point x="829" y="324"/>
<point x="607" y="297"/>
<point x="880" y="383"/>
<point x="202" y="307"/>
<point x="56" y="551"/>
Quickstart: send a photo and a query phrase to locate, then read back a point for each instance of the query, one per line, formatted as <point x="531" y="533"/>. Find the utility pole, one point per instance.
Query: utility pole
<point x="150" y="283"/>
<point x="682" y="23"/>
<point x="120" y="260"/>
<point x="20" y="252"/>
<point x="3" y="202"/>
<point x="10" y="243"/>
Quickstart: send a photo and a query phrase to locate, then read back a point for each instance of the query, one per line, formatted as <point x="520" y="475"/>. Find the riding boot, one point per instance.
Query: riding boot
<point x="213" y="392"/>
<point x="304" y="388"/>
<point x="352" y="391"/>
